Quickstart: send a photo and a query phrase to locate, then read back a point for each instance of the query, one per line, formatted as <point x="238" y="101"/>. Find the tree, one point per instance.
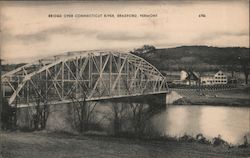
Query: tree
<point x="83" y="112"/>
<point x="144" y="49"/>
<point x="245" y="67"/>
<point x="41" y="109"/>
<point x="83" y="109"/>
<point x="8" y="116"/>
<point x="138" y="118"/>
<point x="1" y="94"/>
<point x="40" y="114"/>
<point x="120" y="112"/>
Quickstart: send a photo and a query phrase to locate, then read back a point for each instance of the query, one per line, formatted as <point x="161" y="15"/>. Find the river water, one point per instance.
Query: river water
<point x="232" y="123"/>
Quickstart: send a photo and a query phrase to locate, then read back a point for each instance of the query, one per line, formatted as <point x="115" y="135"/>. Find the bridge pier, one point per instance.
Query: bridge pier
<point x="172" y="96"/>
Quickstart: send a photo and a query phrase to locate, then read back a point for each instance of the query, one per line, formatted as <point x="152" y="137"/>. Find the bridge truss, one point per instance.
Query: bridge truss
<point x="82" y="75"/>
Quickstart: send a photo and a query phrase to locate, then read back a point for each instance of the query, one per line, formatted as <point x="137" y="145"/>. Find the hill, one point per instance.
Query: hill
<point x="9" y="67"/>
<point x="198" y="58"/>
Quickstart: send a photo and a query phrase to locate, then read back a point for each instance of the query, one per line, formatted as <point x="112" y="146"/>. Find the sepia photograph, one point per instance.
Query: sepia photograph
<point x="125" y="79"/>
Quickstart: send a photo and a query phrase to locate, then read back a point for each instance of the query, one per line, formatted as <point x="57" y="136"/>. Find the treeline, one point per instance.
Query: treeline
<point x="9" y="67"/>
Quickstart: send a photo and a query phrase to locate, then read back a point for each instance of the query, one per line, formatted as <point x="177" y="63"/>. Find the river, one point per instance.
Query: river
<point x="232" y="123"/>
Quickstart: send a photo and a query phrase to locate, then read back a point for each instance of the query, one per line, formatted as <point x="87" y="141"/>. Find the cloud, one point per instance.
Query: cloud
<point x="126" y="36"/>
<point x="26" y="30"/>
<point x="242" y="33"/>
<point x="31" y="37"/>
<point x="45" y="34"/>
<point x="217" y="35"/>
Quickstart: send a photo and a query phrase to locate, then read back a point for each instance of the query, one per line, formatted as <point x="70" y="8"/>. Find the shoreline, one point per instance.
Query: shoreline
<point x="45" y="144"/>
<point x="235" y="97"/>
<point x="213" y="102"/>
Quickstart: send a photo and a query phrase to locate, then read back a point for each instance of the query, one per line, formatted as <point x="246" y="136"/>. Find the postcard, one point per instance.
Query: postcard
<point x="124" y="79"/>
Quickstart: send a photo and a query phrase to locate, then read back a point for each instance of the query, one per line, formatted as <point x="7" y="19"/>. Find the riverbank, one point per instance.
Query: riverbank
<point x="234" y="97"/>
<point x="59" y="145"/>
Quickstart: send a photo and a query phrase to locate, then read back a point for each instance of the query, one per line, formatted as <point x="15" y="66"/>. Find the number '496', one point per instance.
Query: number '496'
<point x="202" y="15"/>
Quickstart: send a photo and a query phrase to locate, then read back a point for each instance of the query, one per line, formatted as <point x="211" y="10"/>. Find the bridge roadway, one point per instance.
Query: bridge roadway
<point x="81" y="76"/>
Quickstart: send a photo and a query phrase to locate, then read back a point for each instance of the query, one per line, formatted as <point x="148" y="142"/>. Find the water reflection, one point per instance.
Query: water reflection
<point x="232" y="123"/>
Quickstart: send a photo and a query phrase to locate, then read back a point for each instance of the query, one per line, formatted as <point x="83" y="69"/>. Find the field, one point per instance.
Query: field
<point x="59" y="145"/>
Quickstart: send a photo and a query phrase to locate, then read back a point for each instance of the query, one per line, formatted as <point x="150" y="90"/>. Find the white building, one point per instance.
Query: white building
<point x="218" y="78"/>
<point x="183" y="75"/>
<point x="207" y="80"/>
<point x="187" y="78"/>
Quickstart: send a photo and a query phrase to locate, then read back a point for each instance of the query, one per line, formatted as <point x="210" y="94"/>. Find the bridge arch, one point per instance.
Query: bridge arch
<point x="82" y="75"/>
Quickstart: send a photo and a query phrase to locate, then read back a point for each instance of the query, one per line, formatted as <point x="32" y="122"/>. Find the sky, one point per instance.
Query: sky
<point x="27" y="31"/>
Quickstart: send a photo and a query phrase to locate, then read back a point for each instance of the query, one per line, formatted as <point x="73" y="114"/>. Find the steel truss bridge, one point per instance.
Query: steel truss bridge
<point x="81" y="75"/>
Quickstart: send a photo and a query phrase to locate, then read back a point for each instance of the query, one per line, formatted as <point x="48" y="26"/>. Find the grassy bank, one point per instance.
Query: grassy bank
<point x="46" y="145"/>
<point x="235" y="97"/>
<point x="212" y="101"/>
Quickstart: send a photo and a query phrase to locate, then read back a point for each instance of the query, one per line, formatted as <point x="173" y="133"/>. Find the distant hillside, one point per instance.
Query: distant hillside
<point x="198" y="58"/>
<point x="10" y="67"/>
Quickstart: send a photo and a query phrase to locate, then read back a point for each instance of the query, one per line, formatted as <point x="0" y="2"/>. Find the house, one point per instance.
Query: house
<point x="183" y="75"/>
<point x="220" y="78"/>
<point x="207" y="80"/>
<point x="216" y="79"/>
<point x="187" y="78"/>
<point x="193" y="78"/>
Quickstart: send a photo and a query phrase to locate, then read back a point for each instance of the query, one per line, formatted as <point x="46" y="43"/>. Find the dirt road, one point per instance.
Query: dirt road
<point x="51" y="145"/>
